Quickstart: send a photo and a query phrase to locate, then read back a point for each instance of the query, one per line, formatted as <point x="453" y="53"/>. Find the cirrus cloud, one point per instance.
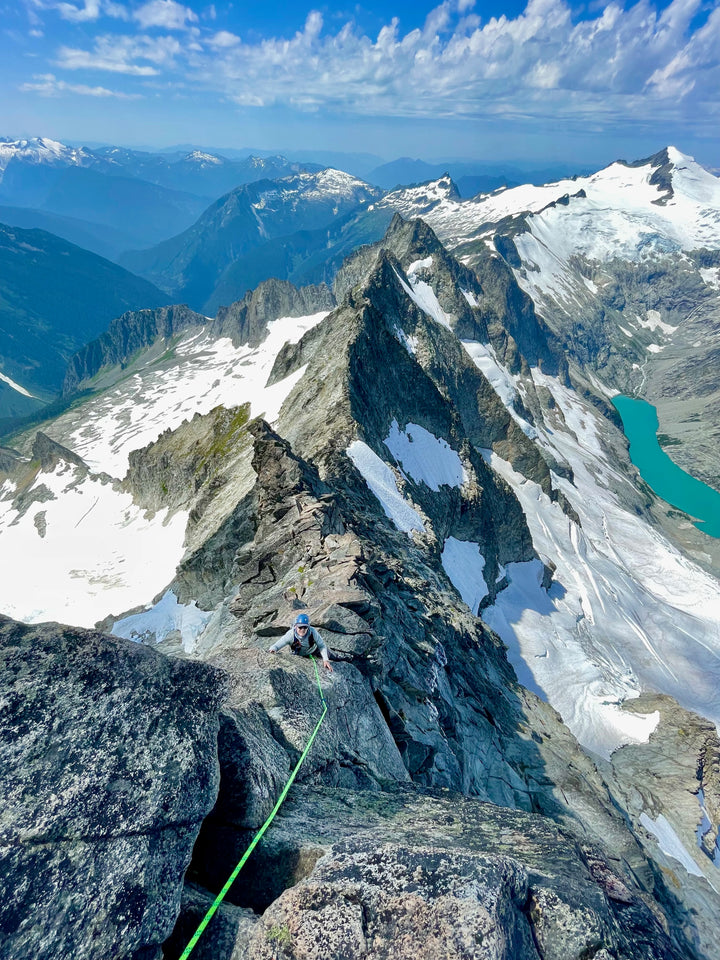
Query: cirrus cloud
<point x="47" y="85"/>
<point x="140" y="56"/>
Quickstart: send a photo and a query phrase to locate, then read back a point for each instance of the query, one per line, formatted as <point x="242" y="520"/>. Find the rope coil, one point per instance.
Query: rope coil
<point x="258" y="836"/>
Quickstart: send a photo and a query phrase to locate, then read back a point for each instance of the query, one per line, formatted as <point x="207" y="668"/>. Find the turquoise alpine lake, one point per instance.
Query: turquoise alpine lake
<point x="667" y="479"/>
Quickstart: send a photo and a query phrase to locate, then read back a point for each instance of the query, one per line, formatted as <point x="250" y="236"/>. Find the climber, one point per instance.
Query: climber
<point x="304" y="640"/>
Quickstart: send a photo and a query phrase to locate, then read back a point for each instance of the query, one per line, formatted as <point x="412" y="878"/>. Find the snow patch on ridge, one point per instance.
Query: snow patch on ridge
<point x="425" y="457"/>
<point x="423" y="296"/>
<point x="465" y="567"/>
<point x="711" y="276"/>
<point x="503" y="383"/>
<point x="410" y="343"/>
<point x="381" y="480"/>
<point x="653" y="321"/>
<point x="16" y="386"/>
<point x="166" y="616"/>
<point x="485" y="359"/>
<point x="99" y="552"/>
<point x="670" y="843"/>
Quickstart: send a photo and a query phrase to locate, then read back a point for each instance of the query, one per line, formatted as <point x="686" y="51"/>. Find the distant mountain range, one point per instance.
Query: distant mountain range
<point x="192" y="266"/>
<point x="135" y="198"/>
<point x="301" y="226"/>
<point x="113" y="199"/>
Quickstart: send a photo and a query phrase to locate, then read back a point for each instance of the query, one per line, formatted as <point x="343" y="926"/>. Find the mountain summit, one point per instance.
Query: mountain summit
<point x="192" y="265"/>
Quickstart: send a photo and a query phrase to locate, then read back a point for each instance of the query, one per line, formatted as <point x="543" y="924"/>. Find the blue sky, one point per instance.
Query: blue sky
<point x="464" y="78"/>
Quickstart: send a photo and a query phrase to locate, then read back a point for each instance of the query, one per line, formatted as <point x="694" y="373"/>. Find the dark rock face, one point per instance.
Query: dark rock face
<point x="128" y="333"/>
<point x="438" y="387"/>
<point x="50" y="453"/>
<point x="484" y="303"/>
<point x="9" y="459"/>
<point x="511" y="319"/>
<point x="109" y="767"/>
<point x="246" y="320"/>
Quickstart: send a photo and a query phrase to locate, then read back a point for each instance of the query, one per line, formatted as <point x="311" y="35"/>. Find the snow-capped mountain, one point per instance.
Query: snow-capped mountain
<point x="624" y="266"/>
<point x="41" y="150"/>
<point x="194" y="264"/>
<point x="416" y="469"/>
<point x="204" y="160"/>
<point x="628" y="203"/>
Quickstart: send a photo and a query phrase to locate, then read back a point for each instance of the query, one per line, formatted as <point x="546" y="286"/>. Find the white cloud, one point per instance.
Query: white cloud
<point x="539" y="62"/>
<point x="543" y="63"/>
<point x="47" y="85"/>
<point x="121" y="55"/>
<point x="164" y="13"/>
<point x="90" y="11"/>
<point x="224" y="39"/>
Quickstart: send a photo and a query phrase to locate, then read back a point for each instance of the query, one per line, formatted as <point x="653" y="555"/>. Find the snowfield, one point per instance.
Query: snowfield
<point x="627" y="612"/>
<point x="84" y="553"/>
<point x="426" y="458"/>
<point x="618" y="215"/>
<point x="381" y="480"/>
<point x="99" y="553"/>
<point x="206" y="373"/>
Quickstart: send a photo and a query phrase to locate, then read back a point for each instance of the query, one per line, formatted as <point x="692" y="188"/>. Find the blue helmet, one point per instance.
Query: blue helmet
<point x="302" y="620"/>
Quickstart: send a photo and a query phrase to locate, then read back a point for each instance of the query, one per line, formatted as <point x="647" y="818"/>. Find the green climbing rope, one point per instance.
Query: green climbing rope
<point x="256" y="839"/>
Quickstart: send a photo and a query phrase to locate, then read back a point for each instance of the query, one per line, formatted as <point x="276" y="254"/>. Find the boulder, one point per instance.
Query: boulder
<point x="427" y="874"/>
<point x="109" y="765"/>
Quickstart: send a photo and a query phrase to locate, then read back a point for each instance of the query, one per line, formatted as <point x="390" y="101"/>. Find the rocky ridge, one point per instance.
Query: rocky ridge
<point x="443" y="805"/>
<point x="126" y="335"/>
<point x="246" y="320"/>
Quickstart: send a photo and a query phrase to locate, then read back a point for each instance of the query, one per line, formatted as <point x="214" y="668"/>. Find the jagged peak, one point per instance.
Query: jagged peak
<point x="414" y="232"/>
<point x="246" y="320"/>
<point x="49" y="452"/>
